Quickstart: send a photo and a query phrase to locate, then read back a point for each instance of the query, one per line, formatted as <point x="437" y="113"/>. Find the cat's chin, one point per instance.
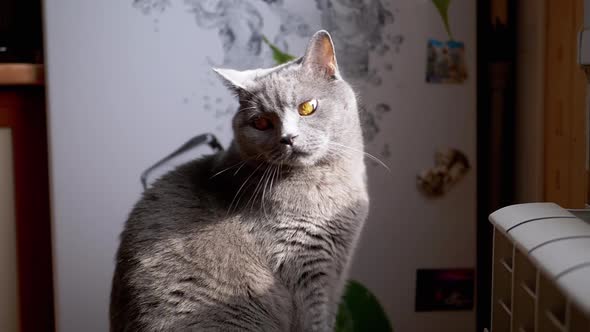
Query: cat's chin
<point x="301" y="162"/>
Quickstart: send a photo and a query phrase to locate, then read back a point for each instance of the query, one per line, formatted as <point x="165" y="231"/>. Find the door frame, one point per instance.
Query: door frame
<point x="565" y="119"/>
<point x="22" y="109"/>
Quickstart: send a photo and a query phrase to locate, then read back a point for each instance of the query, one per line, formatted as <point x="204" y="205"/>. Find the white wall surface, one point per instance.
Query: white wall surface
<point x="126" y="88"/>
<point x="9" y="320"/>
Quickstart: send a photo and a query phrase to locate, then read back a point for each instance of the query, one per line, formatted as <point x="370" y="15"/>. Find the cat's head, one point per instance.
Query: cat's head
<point x="299" y="113"/>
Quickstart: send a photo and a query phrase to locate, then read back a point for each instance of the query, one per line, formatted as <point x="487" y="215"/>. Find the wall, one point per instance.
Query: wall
<point x="127" y="84"/>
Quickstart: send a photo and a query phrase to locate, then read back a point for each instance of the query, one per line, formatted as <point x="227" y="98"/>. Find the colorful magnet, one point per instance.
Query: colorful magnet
<point x="445" y="62"/>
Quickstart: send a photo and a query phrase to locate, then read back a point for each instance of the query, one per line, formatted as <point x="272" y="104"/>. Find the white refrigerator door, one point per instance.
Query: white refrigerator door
<point x="130" y="80"/>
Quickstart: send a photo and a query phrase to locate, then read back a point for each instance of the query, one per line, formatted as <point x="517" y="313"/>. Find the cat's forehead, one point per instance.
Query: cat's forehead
<point x="281" y="77"/>
<point x="290" y="82"/>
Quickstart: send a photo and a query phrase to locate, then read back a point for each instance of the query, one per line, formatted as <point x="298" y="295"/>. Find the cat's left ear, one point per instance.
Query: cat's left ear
<point x="320" y="56"/>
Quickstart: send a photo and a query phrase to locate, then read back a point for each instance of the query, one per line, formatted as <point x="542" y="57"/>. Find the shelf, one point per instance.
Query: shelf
<point x="21" y="74"/>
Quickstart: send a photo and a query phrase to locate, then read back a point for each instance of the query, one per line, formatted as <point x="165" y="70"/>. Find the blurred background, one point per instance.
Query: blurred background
<point x="472" y="105"/>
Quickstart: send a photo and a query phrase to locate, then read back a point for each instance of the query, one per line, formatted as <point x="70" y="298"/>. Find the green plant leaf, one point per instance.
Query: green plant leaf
<point x="279" y="56"/>
<point x="443" y="9"/>
<point x="360" y="311"/>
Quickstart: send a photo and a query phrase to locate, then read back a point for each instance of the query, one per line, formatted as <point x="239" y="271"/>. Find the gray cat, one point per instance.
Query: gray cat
<point x="259" y="237"/>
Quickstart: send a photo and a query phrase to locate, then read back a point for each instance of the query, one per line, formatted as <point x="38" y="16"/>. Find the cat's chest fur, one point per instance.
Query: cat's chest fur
<point x="308" y="225"/>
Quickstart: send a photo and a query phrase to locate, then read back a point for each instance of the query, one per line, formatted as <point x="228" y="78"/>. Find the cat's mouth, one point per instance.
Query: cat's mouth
<point x="300" y="157"/>
<point x="293" y="155"/>
<point x="298" y="153"/>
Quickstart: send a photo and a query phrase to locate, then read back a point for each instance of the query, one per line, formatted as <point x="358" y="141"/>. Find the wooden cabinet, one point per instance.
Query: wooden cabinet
<point x="8" y="257"/>
<point x="26" y="280"/>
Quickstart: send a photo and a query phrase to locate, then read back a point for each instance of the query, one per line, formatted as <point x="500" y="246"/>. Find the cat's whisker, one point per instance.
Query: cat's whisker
<point x="342" y="152"/>
<point x="238" y="170"/>
<point x="228" y="168"/>
<point x="271" y="175"/>
<point x="240" y="189"/>
<point x="258" y="187"/>
<point x="363" y="152"/>
<point x="260" y="181"/>
<point x="241" y="163"/>
<point x="264" y="192"/>
<point x="244" y="164"/>
<point x="346" y="153"/>
<point x="276" y="175"/>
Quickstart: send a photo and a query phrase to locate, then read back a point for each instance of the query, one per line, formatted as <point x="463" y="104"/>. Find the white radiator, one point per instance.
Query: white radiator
<point x="541" y="269"/>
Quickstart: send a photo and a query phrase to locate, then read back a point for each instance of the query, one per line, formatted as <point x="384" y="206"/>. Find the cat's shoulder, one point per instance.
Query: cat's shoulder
<point x="190" y="178"/>
<point x="179" y="193"/>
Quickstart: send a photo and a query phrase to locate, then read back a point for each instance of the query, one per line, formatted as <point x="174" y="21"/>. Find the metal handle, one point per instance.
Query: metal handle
<point x="192" y="143"/>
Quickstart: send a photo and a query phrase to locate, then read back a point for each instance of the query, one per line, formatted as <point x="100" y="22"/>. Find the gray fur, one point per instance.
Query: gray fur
<point x="259" y="237"/>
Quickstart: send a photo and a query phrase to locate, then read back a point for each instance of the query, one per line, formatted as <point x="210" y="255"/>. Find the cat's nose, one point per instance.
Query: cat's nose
<point x="288" y="139"/>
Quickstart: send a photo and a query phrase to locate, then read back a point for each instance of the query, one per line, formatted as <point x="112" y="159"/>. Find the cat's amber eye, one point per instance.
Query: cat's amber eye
<point x="308" y="107"/>
<point x="261" y="123"/>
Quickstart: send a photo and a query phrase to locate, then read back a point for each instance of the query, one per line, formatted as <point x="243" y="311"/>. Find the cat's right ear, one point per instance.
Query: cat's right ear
<point x="235" y="80"/>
